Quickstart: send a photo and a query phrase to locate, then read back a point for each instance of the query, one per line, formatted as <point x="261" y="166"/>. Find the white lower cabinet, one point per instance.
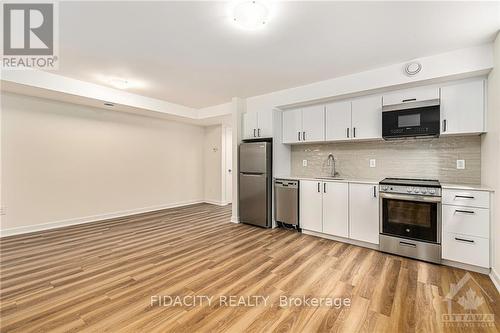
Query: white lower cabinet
<point x="324" y="207"/>
<point x="466" y="228"/>
<point x="336" y="209"/>
<point x="466" y="249"/>
<point x="311" y="201"/>
<point x="340" y="209"/>
<point x="364" y="213"/>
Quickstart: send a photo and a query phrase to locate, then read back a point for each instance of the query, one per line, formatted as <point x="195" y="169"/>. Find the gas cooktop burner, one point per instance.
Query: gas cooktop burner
<point x="411" y="182"/>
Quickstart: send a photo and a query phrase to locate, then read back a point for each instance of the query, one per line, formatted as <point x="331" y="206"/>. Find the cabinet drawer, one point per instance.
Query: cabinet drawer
<point x="479" y="199"/>
<point x="411" y="95"/>
<point x="466" y="249"/>
<point x="466" y="221"/>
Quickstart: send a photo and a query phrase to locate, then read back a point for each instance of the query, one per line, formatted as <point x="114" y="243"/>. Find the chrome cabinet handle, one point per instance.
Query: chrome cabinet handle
<point x="324" y="187"/>
<point x="347" y="131"/>
<point x="254" y="132"/>
<point x="304" y="136"/>
<point x="464" y="196"/>
<point x="374" y="191"/>
<point x="319" y="190"/>
<point x="354" y="132"/>
<point x="464" y="211"/>
<point x="464" y="240"/>
<point x="409" y="100"/>
<point x="298" y="135"/>
<point x="444" y="125"/>
<point x="258" y="132"/>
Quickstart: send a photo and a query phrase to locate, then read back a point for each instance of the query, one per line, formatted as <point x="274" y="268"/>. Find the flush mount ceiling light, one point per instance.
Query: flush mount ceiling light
<point x="413" y="68"/>
<point x="250" y="15"/>
<point x="119" y="83"/>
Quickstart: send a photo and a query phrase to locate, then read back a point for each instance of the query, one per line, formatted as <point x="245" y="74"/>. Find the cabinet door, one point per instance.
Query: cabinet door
<point x="364" y="212"/>
<point x="462" y="108"/>
<point x="292" y="126"/>
<point x="313" y="123"/>
<point x="249" y="125"/>
<point x="336" y="208"/>
<point x="310" y="202"/>
<point x="265" y="124"/>
<point x="367" y="118"/>
<point x="338" y="120"/>
<point x="411" y="95"/>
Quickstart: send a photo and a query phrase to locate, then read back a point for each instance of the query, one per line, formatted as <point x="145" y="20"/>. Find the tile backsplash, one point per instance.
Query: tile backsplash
<point x="415" y="158"/>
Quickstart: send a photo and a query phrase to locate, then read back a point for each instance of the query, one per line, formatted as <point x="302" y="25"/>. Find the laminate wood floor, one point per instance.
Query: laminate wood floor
<point x="101" y="277"/>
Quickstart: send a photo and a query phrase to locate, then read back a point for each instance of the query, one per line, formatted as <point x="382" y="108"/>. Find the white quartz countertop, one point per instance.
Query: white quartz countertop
<point x="466" y="187"/>
<point x="447" y="186"/>
<point x="325" y="178"/>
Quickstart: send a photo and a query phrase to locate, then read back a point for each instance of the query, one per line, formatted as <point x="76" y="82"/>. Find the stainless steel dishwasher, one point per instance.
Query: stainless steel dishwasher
<point x="286" y="202"/>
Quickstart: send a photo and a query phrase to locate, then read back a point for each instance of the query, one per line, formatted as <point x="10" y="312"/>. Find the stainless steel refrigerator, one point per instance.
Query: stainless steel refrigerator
<point x="255" y="179"/>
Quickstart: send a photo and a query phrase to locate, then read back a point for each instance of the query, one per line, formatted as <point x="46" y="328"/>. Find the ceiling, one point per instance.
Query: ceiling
<point x="190" y="53"/>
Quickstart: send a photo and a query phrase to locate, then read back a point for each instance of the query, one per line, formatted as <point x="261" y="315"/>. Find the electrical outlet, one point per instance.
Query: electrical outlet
<point x="304" y="163"/>
<point x="460" y="164"/>
<point x="373" y="163"/>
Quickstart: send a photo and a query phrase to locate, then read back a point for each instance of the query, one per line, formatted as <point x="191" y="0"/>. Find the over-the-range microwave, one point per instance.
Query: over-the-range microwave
<point x="412" y="119"/>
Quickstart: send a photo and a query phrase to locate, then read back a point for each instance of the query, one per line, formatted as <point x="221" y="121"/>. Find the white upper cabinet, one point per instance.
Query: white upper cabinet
<point x="367" y="118"/>
<point x="462" y="108"/>
<point x="462" y="112"/>
<point x="258" y="124"/>
<point x="292" y="126"/>
<point x="265" y="124"/>
<point x="249" y="125"/>
<point x="338" y="120"/>
<point x="310" y="201"/>
<point x="411" y="95"/>
<point x="336" y="209"/>
<point x="304" y="125"/>
<point x="364" y="212"/>
<point x="313" y="123"/>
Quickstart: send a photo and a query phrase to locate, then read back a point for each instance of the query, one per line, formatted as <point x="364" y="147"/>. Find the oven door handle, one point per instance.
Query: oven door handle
<point x="419" y="198"/>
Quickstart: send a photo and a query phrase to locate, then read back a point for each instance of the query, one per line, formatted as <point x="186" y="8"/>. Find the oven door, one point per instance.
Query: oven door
<point x="411" y="216"/>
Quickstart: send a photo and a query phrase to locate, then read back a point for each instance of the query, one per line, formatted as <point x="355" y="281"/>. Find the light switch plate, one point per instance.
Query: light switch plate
<point x="373" y="163"/>
<point x="460" y="164"/>
<point x="304" y="163"/>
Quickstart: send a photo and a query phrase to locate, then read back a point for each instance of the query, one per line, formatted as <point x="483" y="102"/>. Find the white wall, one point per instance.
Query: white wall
<point x="490" y="152"/>
<point x="435" y="68"/>
<point x="213" y="159"/>
<point x="67" y="163"/>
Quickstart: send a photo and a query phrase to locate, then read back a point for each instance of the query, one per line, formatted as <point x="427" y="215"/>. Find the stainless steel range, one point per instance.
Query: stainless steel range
<point x="410" y="218"/>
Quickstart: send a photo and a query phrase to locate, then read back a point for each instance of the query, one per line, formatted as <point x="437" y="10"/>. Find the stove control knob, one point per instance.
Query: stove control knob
<point x="416" y="190"/>
<point x="432" y="191"/>
<point x="424" y="191"/>
<point x="409" y="189"/>
<point x="384" y="188"/>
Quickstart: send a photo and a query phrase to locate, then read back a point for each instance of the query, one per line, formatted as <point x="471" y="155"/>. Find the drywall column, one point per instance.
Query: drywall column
<point x="490" y="163"/>
<point x="238" y="106"/>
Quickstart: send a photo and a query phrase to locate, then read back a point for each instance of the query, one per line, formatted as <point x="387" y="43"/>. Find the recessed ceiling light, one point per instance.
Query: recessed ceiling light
<point x="250" y="15"/>
<point x="119" y="83"/>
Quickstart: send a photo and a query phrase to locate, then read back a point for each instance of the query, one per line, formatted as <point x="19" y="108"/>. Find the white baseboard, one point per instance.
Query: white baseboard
<point x="467" y="267"/>
<point x="215" y="202"/>
<point x="341" y="239"/>
<point x="235" y="219"/>
<point x="93" y="218"/>
<point x="495" y="277"/>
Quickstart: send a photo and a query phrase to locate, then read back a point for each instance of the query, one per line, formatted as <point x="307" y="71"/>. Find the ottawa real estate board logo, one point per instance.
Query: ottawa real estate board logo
<point x="30" y="35"/>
